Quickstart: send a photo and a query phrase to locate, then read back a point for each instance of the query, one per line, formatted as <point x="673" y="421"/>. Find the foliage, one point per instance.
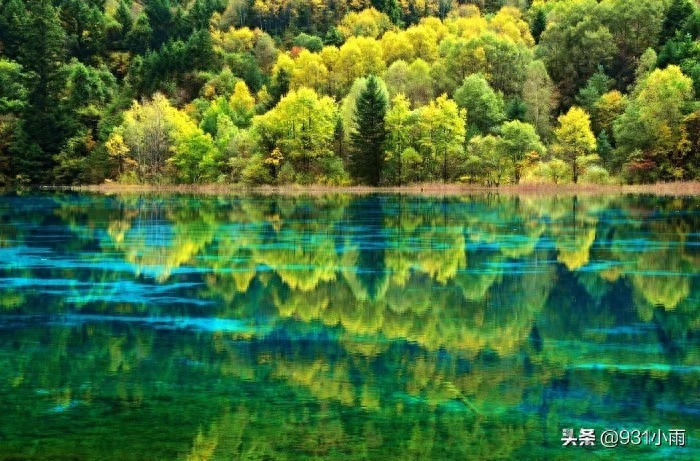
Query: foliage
<point x="399" y="122"/>
<point x="648" y="133"/>
<point x="484" y="107"/>
<point x="539" y="97"/>
<point x="302" y="127"/>
<point x="154" y="136"/>
<point x="517" y="140"/>
<point x="70" y="70"/>
<point x="441" y="141"/>
<point x="368" y="139"/>
<point x="575" y="140"/>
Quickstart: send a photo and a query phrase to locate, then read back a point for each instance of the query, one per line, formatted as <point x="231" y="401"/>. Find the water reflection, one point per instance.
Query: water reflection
<point x="378" y="326"/>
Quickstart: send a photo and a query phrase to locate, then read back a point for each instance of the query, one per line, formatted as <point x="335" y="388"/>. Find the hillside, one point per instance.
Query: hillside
<point x="331" y="92"/>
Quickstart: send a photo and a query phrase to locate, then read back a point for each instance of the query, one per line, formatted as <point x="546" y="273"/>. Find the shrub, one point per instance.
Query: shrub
<point x="596" y="175"/>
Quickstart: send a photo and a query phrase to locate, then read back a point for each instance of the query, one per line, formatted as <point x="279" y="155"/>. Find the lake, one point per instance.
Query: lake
<point x="349" y="327"/>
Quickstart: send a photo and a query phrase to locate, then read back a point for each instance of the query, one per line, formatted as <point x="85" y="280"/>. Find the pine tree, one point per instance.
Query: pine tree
<point x="125" y="20"/>
<point x="604" y="148"/>
<point x="539" y="24"/>
<point x="42" y="55"/>
<point x="368" y="140"/>
<point x="160" y="16"/>
<point x="676" y="16"/>
<point x="339" y="138"/>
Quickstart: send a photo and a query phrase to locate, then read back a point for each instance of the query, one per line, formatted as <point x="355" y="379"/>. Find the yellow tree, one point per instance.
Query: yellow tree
<point x="606" y="109"/>
<point x="508" y="23"/>
<point x="309" y="71"/>
<point x="395" y="46"/>
<point x="442" y="131"/>
<point x="575" y="139"/>
<point x="366" y="23"/>
<point x="301" y="126"/>
<point x="398" y="121"/>
<point x="242" y="104"/>
<point x="155" y="135"/>
<point x="653" y="120"/>
<point x="468" y="27"/>
<point x="424" y="39"/>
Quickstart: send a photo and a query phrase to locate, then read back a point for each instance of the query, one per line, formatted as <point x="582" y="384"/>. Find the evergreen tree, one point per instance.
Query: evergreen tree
<point x="339" y="138"/>
<point x="516" y="109"/>
<point x="676" y="16"/>
<point x="596" y="86"/>
<point x="125" y="22"/>
<point x="539" y="24"/>
<point x="42" y="55"/>
<point x="138" y="38"/>
<point x="13" y="27"/>
<point x="604" y="148"/>
<point x="393" y="10"/>
<point x="279" y="87"/>
<point x="160" y="17"/>
<point x="368" y="140"/>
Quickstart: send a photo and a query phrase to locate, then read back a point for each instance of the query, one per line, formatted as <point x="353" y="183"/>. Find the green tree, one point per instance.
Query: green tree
<point x="486" y="160"/>
<point x="419" y="84"/>
<point x="123" y="16"/>
<point x="160" y="17"/>
<point x="574" y="44"/>
<point x="85" y="27"/>
<point x="13" y="102"/>
<point x="310" y="42"/>
<point x="41" y="55"/>
<point x="138" y="38"/>
<point x="635" y="26"/>
<point x="648" y="133"/>
<point x="13" y="93"/>
<point x="539" y="24"/>
<point x="157" y="142"/>
<point x="683" y="51"/>
<point x="87" y="95"/>
<point x="399" y="122"/>
<point x="518" y="139"/>
<point x="367" y="158"/>
<point x="689" y="147"/>
<point x="675" y="19"/>
<point x="539" y="97"/>
<point x="604" y="148"/>
<point x="596" y="86"/>
<point x="484" y="107"/>
<point x="414" y="81"/>
<point x="442" y="128"/>
<point x="194" y="156"/>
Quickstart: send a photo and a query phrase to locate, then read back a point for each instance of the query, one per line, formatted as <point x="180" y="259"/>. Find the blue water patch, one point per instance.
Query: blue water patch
<point x="209" y="324"/>
<point x="521" y="267"/>
<point x="601" y="265"/>
<point x="646" y="367"/>
<point x="635" y="329"/>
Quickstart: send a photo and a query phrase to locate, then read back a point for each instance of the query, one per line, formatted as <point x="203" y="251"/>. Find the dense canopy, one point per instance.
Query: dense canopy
<point x="274" y="92"/>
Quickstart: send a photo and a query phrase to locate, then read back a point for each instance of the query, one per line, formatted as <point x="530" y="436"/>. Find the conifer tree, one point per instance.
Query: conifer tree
<point x="368" y="140"/>
<point x="676" y="16"/>
<point x="539" y="24"/>
<point x="42" y="55"/>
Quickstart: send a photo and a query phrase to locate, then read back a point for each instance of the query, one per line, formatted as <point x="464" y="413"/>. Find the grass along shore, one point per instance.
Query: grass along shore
<point x="670" y="188"/>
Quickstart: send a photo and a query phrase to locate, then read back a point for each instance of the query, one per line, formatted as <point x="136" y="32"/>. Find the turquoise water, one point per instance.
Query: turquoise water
<point x="347" y="327"/>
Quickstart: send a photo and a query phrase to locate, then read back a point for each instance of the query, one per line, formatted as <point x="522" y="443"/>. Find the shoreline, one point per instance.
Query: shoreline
<point x="689" y="188"/>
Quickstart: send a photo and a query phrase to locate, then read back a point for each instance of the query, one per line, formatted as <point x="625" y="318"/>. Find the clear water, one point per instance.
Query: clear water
<point x="347" y="327"/>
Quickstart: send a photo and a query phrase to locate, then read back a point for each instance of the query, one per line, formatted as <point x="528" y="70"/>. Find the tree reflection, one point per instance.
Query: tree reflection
<point x="377" y="326"/>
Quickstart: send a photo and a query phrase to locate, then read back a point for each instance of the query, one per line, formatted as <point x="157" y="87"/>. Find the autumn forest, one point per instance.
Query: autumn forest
<point x="342" y="92"/>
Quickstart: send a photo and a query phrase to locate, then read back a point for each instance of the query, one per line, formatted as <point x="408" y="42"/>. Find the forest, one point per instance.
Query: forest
<point x="343" y="92"/>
